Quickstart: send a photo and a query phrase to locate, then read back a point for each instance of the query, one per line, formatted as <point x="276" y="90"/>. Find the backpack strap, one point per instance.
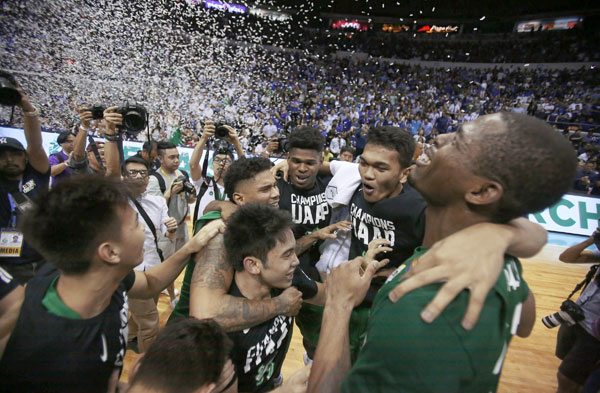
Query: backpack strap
<point x="161" y="181"/>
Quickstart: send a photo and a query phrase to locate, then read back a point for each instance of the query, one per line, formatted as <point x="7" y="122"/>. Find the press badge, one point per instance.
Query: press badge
<point x="11" y="242"/>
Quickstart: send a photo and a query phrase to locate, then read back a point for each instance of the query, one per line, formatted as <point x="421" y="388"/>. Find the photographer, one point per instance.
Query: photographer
<point x="24" y="174"/>
<point x="174" y="185"/>
<point x="578" y="345"/>
<point x="84" y="160"/>
<point x="58" y="161"/>
<point x="211" y="188"/>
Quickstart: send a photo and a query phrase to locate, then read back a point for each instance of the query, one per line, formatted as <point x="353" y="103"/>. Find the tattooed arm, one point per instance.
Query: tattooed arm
<point x="209" y="299"/>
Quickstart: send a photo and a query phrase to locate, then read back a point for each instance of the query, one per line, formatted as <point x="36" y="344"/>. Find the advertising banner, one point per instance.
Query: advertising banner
<point x="574" y="214"/>
<point x="343" y="24"/>
<point x="566" y="23"/>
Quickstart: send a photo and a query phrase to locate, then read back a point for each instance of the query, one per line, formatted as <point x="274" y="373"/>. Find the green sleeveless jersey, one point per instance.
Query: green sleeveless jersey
<point x="402" y="353"/>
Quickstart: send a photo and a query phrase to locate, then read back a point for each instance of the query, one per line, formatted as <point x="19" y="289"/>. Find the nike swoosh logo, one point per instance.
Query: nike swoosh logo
<point x="104" y="355"/>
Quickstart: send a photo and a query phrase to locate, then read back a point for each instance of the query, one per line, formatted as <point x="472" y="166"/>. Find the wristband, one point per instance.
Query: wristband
<point x="112" y="137"/>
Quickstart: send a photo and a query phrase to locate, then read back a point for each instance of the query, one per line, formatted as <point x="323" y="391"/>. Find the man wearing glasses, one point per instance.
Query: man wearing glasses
<point x="153" y="213"/>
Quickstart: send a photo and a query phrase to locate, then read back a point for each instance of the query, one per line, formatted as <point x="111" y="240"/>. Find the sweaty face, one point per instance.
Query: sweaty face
<point x="169" y="159"/>
<point x="131" y="243"/>
<point x="303" y="167"/>
<point x="137" y="176"/>
<point x="381" y="174"/>
<point x="346" y="156"/>
<point x="221" y="163"/>
<point x="262" y="188"/>
<point x="445" y="163"/>
<point x="278" y="271"/>
<point x="12" y="162"/>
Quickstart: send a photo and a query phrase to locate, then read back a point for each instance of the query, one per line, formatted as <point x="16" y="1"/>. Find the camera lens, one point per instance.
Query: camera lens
<point x="221" y="131"/>
<point x="134" y="121"/>
<point x="9" y="95"/>
<point x="552" y="320"/>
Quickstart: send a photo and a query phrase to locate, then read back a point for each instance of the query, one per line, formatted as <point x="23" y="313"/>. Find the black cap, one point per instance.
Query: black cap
<point x="10" y="143"/>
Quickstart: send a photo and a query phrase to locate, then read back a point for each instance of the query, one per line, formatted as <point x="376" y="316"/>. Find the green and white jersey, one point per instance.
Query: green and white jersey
<point x="404" y="354"/>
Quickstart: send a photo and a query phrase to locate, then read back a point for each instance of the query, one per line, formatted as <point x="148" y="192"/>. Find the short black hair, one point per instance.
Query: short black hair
<point x="305" y="137"/>
<point x="85" y="208"/>
<point x="186" y="356"/>
<point x="348" y="149"/>
<point x="164" y="145"/>
<point x="134" y="160"/>
<point x="253" y="230"/>
<point x="509" y="155"/>
<point x="62" y="137"/>
<point x="394" y="138"/>
<point x="243" y="169"/>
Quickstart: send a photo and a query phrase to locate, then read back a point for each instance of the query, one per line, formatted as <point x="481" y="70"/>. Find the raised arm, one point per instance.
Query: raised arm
<point x="111" y="149"/>
<point x="149" y="283"/>
<point x="579" y="253"/>
<point x="195" y="167"/>
<point x="470" y="259"/>
<point x="33" y="134"/>
<point x="209" y="299"/>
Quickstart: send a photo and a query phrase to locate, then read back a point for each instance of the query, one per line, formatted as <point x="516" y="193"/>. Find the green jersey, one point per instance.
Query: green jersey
<point x="404" y="354"/>
<point x="182" y="308"/>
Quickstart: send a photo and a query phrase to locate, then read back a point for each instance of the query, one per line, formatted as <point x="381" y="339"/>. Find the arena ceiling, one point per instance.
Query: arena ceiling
<point x="448" y="9"/>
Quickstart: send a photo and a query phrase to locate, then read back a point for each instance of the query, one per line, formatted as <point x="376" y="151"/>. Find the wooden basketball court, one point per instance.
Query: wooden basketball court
<point x="530" y="365"/>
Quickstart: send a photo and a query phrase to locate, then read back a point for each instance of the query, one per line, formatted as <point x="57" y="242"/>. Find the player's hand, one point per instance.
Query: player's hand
<point x="210" y="230"/>
<point x="283" y="167"/>
<point x="297" y="383"/>
<point x="330" y="231"/>
<point x="348" y="283"/>
<point x="469" y="259"/>
<point x="289" y="302"/>
<point x="376" y="247"/>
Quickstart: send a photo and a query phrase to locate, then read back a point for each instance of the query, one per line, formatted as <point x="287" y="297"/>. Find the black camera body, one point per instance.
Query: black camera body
<point x="570" y="313"/>
<point x="9" y="94"/>
<point x="97" y="111"/>
<point x="135" y="117"/>
<point x="221" y="132"/>
<point x="187" y="186"/>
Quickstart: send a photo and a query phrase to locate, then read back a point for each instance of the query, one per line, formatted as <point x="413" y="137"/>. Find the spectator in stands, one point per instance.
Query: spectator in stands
<point x="346" y="154"/>
<point x="584" y="177"/>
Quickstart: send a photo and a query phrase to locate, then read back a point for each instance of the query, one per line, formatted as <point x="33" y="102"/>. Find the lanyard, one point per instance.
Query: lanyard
<point x="13" y="206"/>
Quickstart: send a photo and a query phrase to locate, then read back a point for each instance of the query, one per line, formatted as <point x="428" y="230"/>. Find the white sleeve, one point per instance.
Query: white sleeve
<point x="335" y="166"/>
<point x="164" y="214"/>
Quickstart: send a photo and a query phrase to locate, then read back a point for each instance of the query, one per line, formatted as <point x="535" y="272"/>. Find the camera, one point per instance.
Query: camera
<point x="282" y="144"/>
<point x="221" y="131"/>
<point x="570" y="313"/>
<point x="9" y="95"/>
<point x="135" y="117"/>
<point x="187" y="186"/>
<point x="97" y="111"/>
<point x="222" y="147"/>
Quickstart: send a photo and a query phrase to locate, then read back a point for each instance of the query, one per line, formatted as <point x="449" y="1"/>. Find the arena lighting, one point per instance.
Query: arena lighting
<point x="565" y="23"/>
<point x="268" y="14"/>
<point x="349" y="24"/>
<point x="223" y="6"/>
<point x="438" y="29"/>
<point x="390" y="28"/>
